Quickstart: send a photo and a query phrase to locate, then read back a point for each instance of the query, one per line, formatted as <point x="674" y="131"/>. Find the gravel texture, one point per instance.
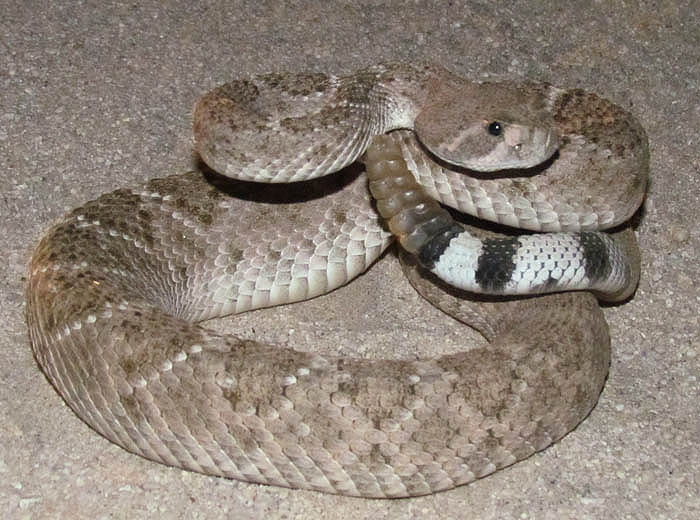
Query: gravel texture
<point x="98" y="95"/>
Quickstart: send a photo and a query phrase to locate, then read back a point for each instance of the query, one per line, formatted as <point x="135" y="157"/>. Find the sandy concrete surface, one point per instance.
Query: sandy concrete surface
<point x="96" y="95"/>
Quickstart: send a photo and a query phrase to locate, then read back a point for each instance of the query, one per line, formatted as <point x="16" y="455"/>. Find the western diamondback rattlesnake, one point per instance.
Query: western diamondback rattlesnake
<point x="117" y="287"/>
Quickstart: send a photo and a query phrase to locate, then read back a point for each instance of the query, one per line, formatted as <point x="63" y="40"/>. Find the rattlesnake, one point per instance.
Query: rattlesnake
<point x="117" y="286"/>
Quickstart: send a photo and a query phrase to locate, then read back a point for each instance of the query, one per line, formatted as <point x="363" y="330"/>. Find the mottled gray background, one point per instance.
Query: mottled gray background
<point x="96" y="95"/>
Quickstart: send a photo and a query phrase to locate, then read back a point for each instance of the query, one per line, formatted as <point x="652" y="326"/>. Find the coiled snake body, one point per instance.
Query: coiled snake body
<point x="117" y="287"/>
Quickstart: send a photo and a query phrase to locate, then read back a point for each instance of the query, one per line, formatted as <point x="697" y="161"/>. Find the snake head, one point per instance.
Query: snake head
<point x="489" y="126"/>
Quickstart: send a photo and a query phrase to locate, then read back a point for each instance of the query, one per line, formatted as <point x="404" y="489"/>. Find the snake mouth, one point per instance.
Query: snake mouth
<point x="545" y="143"/>
<point x="521" y="149"/>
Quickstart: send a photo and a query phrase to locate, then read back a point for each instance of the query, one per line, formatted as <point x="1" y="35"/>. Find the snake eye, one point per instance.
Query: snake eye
<point x="495" y="128"/>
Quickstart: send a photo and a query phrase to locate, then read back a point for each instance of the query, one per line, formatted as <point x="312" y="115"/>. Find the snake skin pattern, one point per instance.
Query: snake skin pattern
<point x="542" y="263"/>
<point x="117" y="288"/>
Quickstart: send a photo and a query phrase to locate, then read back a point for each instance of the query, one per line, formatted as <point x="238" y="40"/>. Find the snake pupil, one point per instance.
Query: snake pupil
<point x="495" y="128"/>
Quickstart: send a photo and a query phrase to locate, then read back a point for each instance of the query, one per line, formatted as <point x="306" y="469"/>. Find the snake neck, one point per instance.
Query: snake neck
<point x="398" y="92"/>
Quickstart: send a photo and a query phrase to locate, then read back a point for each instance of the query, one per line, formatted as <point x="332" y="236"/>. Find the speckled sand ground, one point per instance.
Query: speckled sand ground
<point x="96" y="95"/>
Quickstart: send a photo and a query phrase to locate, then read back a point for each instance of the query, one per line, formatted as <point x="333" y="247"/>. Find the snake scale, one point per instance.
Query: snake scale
<point x="118" y="287"/>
